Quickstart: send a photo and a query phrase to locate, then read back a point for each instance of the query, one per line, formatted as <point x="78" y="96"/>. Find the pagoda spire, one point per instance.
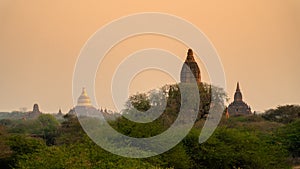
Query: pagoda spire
<point x="238" y="87"/>
<point x="84" y="91"/>
<point x="190" y="56"/>
<point x="190" y="71"/>
<point x="238" y="94"/>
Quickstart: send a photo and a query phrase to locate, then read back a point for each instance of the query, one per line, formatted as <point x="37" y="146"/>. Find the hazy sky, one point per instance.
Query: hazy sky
<point x="258" y="43"/>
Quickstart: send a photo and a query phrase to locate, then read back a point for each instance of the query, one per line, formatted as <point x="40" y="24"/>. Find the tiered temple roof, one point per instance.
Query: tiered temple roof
<point x="238" y="106"/>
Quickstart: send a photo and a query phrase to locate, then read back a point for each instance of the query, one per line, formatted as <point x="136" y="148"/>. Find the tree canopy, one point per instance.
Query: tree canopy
<point x="268" y="140"/>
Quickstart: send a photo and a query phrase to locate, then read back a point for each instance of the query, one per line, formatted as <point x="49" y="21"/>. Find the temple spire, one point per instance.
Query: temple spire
<point x="190" y="71"/>
<point x="238" y="93"/>
<point x="190" y="56"/>
<point x="83" y="91"/>
<point x="190" y="52"/>
<point x="238" y="87"/>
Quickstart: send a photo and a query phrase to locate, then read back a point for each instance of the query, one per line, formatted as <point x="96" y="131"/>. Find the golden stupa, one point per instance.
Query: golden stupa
<point x="84" y="99"/>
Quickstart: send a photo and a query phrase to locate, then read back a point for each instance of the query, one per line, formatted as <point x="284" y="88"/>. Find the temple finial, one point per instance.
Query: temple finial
<point x="84" y="91"/>
<point x="84" y="99"/>
<point x="238" y="94"/>
<point x="190" y="70"/>
<point x="238" y="86"/>
<point x="190" y="52"/>
<point x="190" y="56"/>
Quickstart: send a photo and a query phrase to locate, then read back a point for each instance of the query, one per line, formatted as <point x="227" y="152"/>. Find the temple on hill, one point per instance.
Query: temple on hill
<point x="238" y="106"/>
<point x="190" y="69"/>
<point x="59" y="113"/>
<point x="84" y="107"/>
<point x="34" y="113"/>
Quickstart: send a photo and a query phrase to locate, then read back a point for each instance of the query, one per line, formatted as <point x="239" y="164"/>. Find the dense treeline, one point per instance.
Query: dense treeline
<point x="270" y="140"/>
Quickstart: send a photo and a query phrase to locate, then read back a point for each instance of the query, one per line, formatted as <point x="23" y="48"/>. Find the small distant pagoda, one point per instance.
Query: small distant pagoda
<point x="238" y="106"/>
<point x="190" y="70"/>
<point x="60" y="113"/>
<point x="35" y="112"/>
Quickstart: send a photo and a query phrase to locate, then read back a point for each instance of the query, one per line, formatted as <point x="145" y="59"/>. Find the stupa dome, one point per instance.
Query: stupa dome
<point x="84" y="99"/>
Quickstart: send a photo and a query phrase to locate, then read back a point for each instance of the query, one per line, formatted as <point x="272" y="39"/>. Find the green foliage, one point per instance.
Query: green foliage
<point x="289" y="136"/>
<point x="283" y="114"/>
<point x="5" y="152"/>
<point x="21" y="145"/>
<point x="176" y="157"/>
<point x="171" y="95"/>
<point x="260" y="141"/>
<point x="251" y="123"/>
<point x="5" y="122"/>
<point x="139" y="101"/>
<point x="70" y="131"/>
<point x="132" y="129"/>
<point x="48" y="127"/>
<point x="233" y="148"/>
<point x="45" y="126"/>
<point x="12" y="115"/>
<point x="80" y="155"/>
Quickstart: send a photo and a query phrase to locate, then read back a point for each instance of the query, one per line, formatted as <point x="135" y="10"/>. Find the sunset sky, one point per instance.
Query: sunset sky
<point x="258" y="43"/>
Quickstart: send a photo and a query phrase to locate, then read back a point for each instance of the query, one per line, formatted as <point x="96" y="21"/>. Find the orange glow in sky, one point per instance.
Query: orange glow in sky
<point x="258" y="43"/>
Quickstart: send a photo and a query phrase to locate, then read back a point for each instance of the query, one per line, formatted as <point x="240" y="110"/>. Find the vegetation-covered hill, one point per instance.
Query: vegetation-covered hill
<point x="269" y="140"/>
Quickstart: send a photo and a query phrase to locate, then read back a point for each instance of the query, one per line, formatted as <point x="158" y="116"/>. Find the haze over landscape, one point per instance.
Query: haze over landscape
<point x="257" y="41"/>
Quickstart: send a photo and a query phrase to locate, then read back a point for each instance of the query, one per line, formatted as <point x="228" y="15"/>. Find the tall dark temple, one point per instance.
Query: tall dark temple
<point x="238" y="106"/>
<point x="186" y="75"/>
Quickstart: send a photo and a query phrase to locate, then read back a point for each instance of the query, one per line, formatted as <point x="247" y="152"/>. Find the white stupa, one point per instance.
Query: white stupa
<point x="84" y="100"/>
<point x="84" y="108"/>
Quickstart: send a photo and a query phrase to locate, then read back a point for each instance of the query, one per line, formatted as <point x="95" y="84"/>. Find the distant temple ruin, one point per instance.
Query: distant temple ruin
<point x="34" y="113"/>
<point x="190" y="71"/>
<point x="238" y="106"/>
